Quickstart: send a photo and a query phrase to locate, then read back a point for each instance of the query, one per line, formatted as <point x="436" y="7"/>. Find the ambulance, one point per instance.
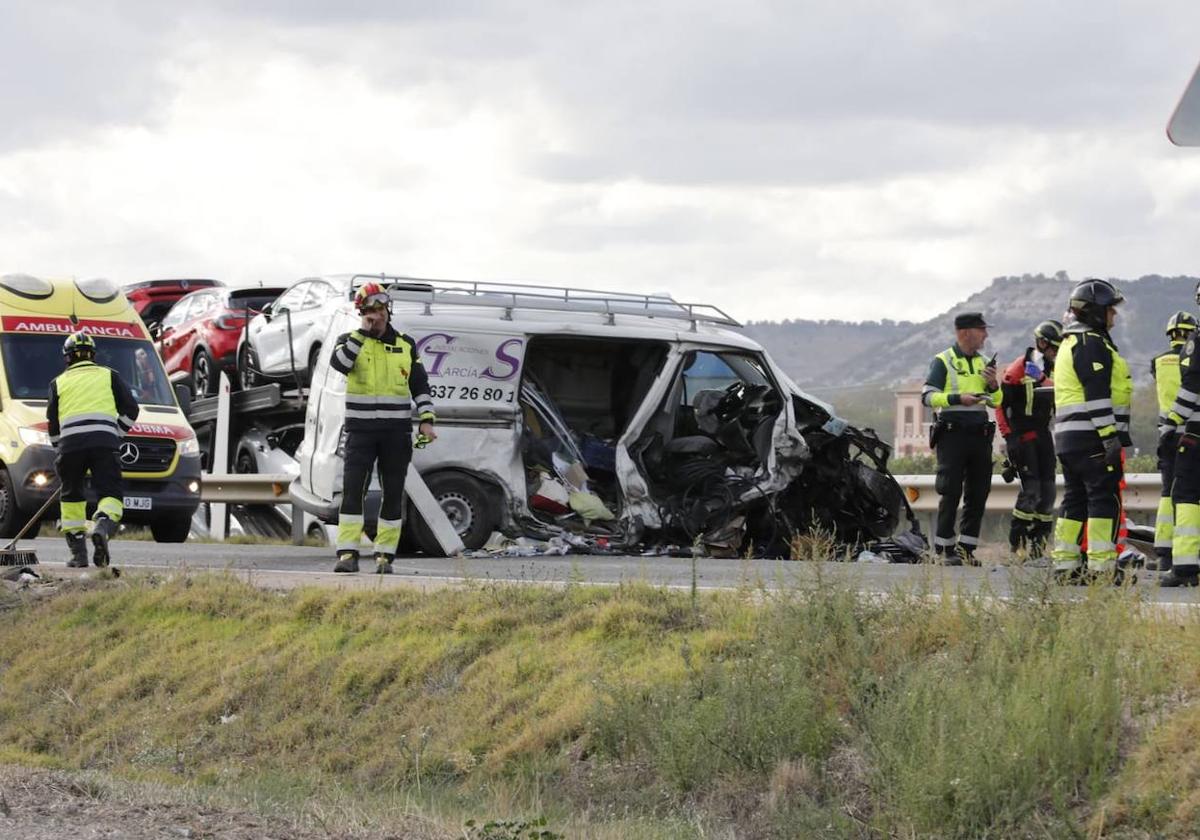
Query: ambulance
<point x="160" y="457"/>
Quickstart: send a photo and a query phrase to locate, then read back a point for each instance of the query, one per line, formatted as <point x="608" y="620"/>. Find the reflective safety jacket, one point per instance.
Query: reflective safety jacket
<point x="952" y="373"/>
<point x="384" y="378"/>
<point x="1093" y="391"/>
<point x="1186" y="399"/>
<point x="89" y="406"/>
<point x="1167" y="377"/>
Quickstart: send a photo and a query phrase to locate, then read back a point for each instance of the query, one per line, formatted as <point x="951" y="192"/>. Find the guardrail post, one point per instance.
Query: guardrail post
<point x="218" y="526"/>
<point x="297" y="524"/>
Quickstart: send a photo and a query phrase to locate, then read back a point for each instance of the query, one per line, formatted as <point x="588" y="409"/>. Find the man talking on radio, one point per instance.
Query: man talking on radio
<point x="385" y="385"/>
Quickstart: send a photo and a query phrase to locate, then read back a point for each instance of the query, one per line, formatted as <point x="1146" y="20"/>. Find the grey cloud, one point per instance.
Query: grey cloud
<point x="69" y="68"/>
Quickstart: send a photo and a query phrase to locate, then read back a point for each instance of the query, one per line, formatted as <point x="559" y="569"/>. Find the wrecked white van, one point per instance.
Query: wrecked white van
<point x="617" y="422"/>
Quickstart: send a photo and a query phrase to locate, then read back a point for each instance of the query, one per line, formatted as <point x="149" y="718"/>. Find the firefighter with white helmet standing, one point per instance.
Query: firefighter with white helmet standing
<point x="1165" y="369"/>
<point x="1182" y="424"/>
<point x="89" y="410"/>
<point x="386" y="384"/>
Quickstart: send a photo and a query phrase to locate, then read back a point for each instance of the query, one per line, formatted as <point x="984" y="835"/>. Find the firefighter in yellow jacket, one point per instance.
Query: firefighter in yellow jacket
<point x="1182" y="425"/>
<point x="386" y="384"/>
<point x="90" y="409"/>
<point x="1165" y="369"/>
<point x="1092" y="395"/>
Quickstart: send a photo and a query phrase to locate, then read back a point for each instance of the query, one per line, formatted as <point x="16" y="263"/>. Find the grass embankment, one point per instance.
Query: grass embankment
<point x="625" y="712"/>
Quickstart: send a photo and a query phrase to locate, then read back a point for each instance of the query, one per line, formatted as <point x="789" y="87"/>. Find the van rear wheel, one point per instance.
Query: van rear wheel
<point x="171" y="528"/>
<point x="467" y="505"/>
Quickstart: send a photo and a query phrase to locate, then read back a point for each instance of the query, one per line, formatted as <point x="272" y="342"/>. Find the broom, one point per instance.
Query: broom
<point x="10" y="555"/>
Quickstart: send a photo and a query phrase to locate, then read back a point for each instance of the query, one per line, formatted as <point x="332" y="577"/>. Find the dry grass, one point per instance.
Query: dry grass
<point x="621" y="712"/>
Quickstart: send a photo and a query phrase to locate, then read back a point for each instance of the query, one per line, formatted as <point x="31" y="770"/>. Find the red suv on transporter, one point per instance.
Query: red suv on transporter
<point x="152" y="299"/>
<point x="199" y="336"/>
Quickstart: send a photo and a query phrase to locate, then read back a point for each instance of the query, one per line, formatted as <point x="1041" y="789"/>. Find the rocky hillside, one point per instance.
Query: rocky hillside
<point x="830" y="354"/>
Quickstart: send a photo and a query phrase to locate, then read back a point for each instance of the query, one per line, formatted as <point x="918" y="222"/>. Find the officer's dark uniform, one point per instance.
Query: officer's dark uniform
<point x="963" y="443"/>
<point x="1165" y="369"/>
<point x="1092" y="394"/>
<point x="90" y="409"/>
<point x="384" y="380"/>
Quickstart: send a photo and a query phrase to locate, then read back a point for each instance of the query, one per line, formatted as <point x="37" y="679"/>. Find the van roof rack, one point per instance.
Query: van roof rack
<point x="525" y="296"/>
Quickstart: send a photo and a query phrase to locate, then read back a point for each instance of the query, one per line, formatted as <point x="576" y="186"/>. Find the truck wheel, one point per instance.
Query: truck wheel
<point x="204" y="374"/>
<point x="173" y="528"/>
<point x="247" y="364"/>
<point x="11" y="516"/>
<point x="466" y="503"/>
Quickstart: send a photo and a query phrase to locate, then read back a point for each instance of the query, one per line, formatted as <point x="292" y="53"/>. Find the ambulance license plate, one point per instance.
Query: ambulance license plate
<point x="138" y="502"/>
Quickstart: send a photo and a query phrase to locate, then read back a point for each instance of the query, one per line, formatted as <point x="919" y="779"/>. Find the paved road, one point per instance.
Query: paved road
<point x="287" y="566"/>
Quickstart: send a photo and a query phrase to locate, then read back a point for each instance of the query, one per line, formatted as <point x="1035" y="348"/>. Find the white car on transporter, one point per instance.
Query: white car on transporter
<point x="625" y="420"/>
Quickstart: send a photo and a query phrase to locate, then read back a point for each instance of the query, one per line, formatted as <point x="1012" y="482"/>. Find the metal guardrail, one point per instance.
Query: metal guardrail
<point x="1141" y="492"/>
<point x="246" y="489"/>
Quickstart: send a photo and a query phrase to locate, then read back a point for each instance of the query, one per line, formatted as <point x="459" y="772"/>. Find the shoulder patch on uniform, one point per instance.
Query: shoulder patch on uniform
<point x="1190" y="346"/>
<point x="1097" y="366"/>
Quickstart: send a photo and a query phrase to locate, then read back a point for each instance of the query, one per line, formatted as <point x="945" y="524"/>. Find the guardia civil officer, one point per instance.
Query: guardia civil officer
<point x="960" y="386"/>
<point x="1092" y="396"/>
<point x="385" y="384"/>
<point x="1024" y="420"/>
<point x="1166" y="372"/>
<point x="1182" y="423"/>
<point x="90" y="409"/>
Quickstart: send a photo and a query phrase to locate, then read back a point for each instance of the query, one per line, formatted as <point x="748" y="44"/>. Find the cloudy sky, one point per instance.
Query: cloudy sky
<point x="845" y="159"/>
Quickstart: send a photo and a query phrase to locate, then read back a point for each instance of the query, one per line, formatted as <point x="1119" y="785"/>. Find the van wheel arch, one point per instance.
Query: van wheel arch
<point x="475" y="503"/>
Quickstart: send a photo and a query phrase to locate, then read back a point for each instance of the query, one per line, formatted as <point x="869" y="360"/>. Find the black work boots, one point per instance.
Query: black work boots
<point x="1185" y="576"/>
<point x="103" y="528"/>
<point x="347" y="561"/>
<point x="77" y="542"/>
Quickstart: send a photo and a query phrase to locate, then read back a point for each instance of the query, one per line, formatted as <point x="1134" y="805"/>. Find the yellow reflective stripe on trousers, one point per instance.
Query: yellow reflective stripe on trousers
<point x="1067" y="535"/>
<point x="74" y="516"/>
<point x="350" y="528"/>
<point x="111" y="507"/>
<point x="1164" y="523"/>
<point x="1186" y="546"/>
<point x="387" y="536"/>
<point x="1101" y="548"/>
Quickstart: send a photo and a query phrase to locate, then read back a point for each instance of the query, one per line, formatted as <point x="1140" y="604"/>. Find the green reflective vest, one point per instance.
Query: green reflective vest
<point x="86" y="402"/>
<point x="1167" y="378"/>
<point x="964" y="375"/>
<point x="1082" y="423"/>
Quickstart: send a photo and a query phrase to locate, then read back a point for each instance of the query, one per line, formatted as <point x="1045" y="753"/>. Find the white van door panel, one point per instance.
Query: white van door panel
<point x="638" y="502"/>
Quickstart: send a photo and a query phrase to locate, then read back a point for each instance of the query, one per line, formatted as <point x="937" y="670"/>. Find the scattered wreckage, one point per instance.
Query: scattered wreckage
<point x="594" y="422"/>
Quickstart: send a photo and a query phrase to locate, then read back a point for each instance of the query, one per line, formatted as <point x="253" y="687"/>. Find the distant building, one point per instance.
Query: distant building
<point x="913" y="420"/>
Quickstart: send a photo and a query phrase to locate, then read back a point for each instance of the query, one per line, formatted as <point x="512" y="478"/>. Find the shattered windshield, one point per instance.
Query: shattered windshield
<point x="32" y="361"/>
<point x="705" y="371"/>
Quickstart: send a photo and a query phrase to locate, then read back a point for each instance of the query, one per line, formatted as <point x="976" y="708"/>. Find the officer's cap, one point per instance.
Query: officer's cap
<point x="969" y="320"/>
